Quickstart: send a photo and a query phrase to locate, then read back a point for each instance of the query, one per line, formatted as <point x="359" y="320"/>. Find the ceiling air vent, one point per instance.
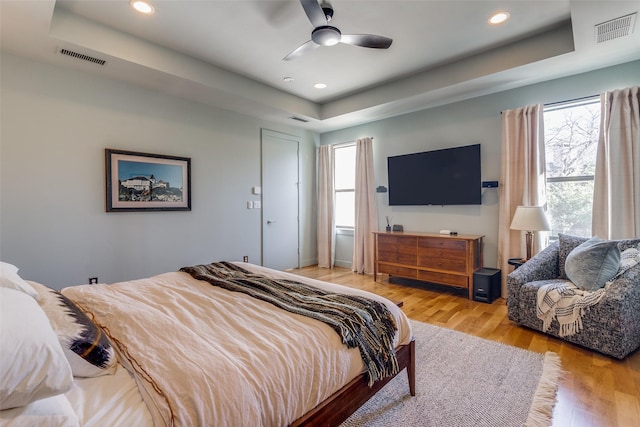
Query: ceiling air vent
<point x="299" y="119"/>
<point x="615" y="28"/>
<point x="82" y="56"/>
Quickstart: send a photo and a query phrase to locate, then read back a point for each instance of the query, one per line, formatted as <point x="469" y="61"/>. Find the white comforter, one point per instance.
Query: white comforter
<point x="207" y="356"/>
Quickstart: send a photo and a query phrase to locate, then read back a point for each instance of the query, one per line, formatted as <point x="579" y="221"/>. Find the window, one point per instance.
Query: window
<point x="344" y="181"/>
<point x="571" y="141"/>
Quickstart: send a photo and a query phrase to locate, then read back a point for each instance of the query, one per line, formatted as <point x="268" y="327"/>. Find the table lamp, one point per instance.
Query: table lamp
<point x="530" y="219"/>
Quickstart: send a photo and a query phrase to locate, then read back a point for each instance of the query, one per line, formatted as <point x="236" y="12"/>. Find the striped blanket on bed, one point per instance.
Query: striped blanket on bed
<point x="359" y="321"/>
<point x="566" y="303"/>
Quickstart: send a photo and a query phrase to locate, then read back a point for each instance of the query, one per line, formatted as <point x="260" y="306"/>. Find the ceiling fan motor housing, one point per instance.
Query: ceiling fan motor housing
<point x="328" y="10"/>
<point x="323" y="34"/>
<point x="326" y="35"/>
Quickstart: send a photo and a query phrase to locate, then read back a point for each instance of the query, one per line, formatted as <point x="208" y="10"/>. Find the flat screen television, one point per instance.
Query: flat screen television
<point x="451" y="176"/>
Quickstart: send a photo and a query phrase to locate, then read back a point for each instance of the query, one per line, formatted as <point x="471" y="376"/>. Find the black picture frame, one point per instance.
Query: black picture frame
<point x="138" y="182"/>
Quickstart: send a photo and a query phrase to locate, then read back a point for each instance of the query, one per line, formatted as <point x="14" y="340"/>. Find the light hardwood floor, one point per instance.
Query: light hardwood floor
<point x="596" y="391"/>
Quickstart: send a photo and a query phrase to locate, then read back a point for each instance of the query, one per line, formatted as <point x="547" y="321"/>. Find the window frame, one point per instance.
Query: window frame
<point x="595" y="99"/>
<point x="342" y="229"/>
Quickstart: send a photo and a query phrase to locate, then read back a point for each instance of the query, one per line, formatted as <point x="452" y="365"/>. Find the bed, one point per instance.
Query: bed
<point x="176" y="350"/>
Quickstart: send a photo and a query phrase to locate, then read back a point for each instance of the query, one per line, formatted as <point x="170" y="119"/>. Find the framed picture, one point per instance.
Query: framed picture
<point x="147" y="182"/>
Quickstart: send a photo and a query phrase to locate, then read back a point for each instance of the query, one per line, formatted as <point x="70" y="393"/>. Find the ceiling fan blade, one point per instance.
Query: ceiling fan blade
<point x="301" y="50"/>
<point x="314" y="13"/>
<point x="367" y="40"/>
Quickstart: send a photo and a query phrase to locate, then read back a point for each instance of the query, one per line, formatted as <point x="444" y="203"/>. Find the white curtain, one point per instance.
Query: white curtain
<point x="326" y="229"/>
<point x="522" y="179"/>
<point x="366" y="208"/>
<point x="616" y="196"/>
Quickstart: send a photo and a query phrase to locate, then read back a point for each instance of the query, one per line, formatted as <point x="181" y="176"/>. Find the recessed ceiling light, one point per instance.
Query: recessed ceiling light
<point x="319" y="85"/>
<point x="498" y="18"/>
<point x="288" y="79"/>
<point x="142" y="6"/>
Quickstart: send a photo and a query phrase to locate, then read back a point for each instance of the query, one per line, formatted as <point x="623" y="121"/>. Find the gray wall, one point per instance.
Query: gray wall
<point x="55" y="126"/>
<point x="463" y="123"/>
<point x="56" y="123"/>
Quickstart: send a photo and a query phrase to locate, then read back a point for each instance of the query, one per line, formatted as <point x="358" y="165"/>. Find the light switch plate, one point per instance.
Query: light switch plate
<point x="249" y="204"/>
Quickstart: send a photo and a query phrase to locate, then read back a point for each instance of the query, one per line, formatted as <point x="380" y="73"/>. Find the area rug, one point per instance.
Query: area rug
<point x="465" y="381"/>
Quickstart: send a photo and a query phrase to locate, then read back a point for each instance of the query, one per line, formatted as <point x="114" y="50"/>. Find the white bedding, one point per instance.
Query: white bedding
<point x="110" y="400"/>
<point x="266" y="368"/>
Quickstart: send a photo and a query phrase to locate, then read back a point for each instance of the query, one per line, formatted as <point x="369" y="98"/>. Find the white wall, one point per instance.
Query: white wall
<point x="463" y="123"/>
<point x="55" y="126"/>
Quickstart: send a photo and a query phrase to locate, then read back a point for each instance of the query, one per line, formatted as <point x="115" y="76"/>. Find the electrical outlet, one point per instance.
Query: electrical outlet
<point x="257" y="204"/>
<point x="93" y="280"/>
<point x="245" y="258"/>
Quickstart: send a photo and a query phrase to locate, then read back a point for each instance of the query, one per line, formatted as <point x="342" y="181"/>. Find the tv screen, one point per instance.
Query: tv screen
<point x="441" y="177"/>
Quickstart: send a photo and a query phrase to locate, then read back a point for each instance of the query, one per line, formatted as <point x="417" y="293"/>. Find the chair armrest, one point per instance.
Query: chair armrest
<point x="543" y="266"/>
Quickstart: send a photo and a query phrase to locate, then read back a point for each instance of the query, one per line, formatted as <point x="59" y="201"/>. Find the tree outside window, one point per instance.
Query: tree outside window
<point x="571" y="141"/>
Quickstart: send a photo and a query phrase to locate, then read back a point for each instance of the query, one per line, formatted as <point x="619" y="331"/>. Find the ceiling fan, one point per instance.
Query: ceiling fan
<point x="324" y="34"/>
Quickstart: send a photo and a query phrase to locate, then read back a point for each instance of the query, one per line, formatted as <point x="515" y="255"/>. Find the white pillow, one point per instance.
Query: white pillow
<point x="85" y="344"/>
<point x="33" y="365"/>
<point x="9" y="279"/>
<point x="54" y="411"/>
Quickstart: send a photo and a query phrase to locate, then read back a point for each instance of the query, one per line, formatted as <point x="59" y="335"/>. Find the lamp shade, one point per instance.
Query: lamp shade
<point x="530" y="218"/>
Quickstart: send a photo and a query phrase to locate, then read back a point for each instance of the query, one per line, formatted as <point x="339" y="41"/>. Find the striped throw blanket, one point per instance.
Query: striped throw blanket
<point x="563" y="301"/>
<point x="359" y="321"/>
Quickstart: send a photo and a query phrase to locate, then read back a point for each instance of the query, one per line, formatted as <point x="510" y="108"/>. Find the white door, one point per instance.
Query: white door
<point x="279" y="200"/>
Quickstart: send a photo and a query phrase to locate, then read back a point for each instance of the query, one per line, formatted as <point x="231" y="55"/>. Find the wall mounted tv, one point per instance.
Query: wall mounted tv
<point x="451" y="176"/>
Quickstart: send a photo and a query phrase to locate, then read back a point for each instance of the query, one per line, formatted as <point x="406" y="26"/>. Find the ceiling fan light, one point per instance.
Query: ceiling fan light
<point x="498" y="18"/>
<point x="327" y="9"/>
<point x="142" y="6"/>
<point x="326" y="35"/>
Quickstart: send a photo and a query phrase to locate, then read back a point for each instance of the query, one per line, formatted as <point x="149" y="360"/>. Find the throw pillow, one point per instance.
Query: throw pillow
<point x="567" y="243"/>
<point x="593" y="263"/>
<point x="10" y="279"/>
<point x="85" y="344"/>
<point x="32" y="363"/>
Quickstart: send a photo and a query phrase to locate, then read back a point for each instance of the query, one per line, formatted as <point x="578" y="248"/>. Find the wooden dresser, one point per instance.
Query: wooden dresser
<point x="430" y="257"/>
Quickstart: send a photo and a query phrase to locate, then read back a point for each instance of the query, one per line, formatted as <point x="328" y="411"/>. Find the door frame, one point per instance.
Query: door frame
<point x="293" y="138"/>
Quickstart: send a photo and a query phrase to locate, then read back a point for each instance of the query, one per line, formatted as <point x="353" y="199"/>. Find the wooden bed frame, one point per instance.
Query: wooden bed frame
<point x="344" y="402"/>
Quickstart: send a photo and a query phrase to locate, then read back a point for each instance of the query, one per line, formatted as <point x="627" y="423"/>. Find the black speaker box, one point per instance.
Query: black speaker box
<point x="487" y="285"/>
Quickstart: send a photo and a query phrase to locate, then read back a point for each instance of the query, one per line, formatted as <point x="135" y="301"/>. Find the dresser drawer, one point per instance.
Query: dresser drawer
<point x="444" y="278"/>
<point x="394" y="270"/>
<point x="390" y="241"/>
<point x="442" y="243"/>
<point x="443" y="263"/>
<point x="397" y="249"/>
<point x="398" y="257"/>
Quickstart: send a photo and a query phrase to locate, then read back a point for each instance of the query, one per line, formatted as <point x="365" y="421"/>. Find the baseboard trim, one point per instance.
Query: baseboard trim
<point x="345" y="264"/>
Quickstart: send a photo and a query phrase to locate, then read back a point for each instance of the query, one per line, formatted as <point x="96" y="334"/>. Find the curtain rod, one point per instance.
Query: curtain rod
<point x="346" y="143"/>
<point x="568" y="101"/>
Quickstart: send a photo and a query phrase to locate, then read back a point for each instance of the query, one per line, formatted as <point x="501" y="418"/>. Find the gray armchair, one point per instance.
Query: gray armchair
<point x="611" y="327"/>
